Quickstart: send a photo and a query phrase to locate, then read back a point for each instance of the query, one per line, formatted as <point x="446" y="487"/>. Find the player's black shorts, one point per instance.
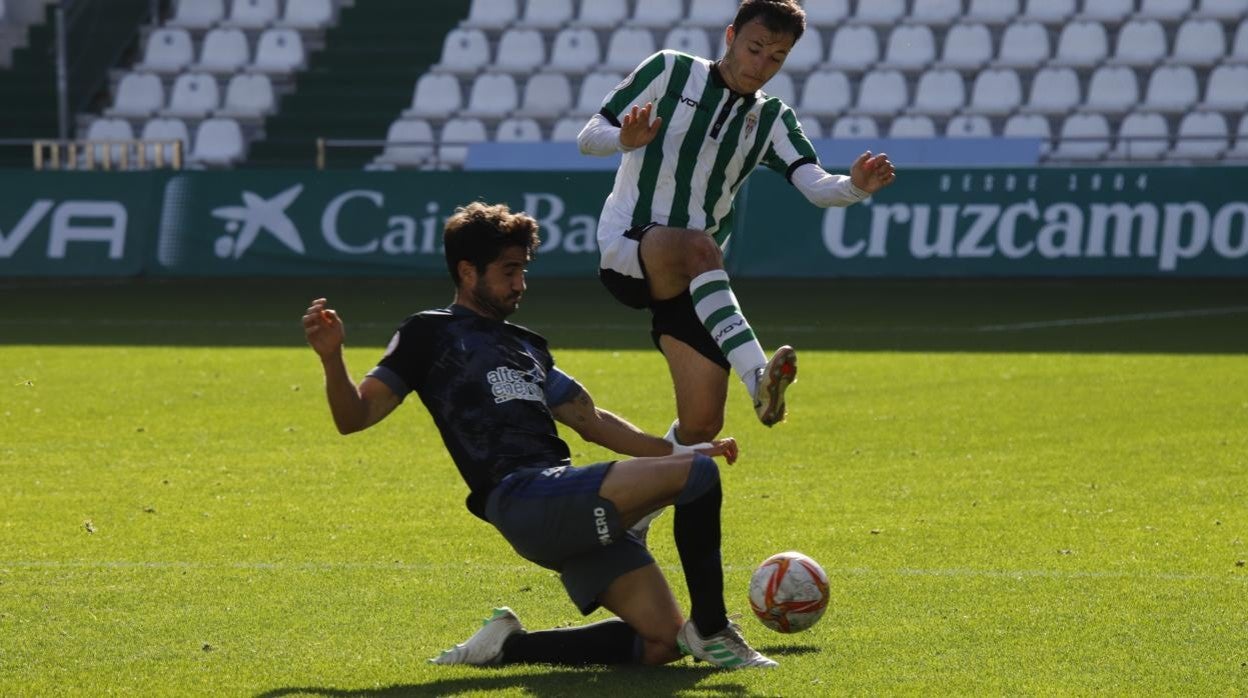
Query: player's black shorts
<point x="674" y="317"/>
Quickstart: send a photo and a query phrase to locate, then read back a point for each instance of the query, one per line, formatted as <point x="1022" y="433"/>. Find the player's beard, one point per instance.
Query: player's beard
<point x="499" y="307"/>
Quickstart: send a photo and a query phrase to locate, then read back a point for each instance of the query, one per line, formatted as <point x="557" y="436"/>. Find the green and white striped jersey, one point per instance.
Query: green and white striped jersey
<point x="711" y="139"/>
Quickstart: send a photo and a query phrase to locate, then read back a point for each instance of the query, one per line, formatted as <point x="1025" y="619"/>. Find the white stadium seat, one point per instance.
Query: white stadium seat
<point x="520" y="51"/>
<point x="465" y="51"/>
<point x="1083" y="137"/>
<point x="602" y="15"/>
<point x="658" y="14"/>
<point x="547" y="14"/>
<point x="936" y="12"/>
<point x="781" y="85"/>
<point x="882" y="93"/>
<point x="688" y="40"/>
<point x="1222" y="9"/>
<point x="1202" y="135"/>
<point x="1168" y="10"/>
<point x="566" y="129"/>
<point x="575" y="50"/>
<point x="1240" y="151"/>
<point x="996" y="92"/>
<point x="1082" y="44"/>
<point x="594" y="89"/>
<point x="409" y="143"/>
<point x="912" y="127"/>
<point x="546" y="96"/>
<point x="967" y="46"/>
<point x="252" y="14"/>
<point x="491" y="14"/>
<point x="826" y="13"/>
<point x="1239" y="49"/>
<point x="939" y="92"/>
<point x="161" y="135"/>
<point x="627" y="48"/>
<point x="1171" y="89"/>
<point x="223" y="51"/>
<point x="457" y="135"/>
<point x="307" y="15"/>
<point x="854" y="48"/>
<point x="218" y="143"/>
<point x="807" y="54"/>
<point x="194" y="96"/>
<point x="826" y="93"/>
<point x="910" y="47"/>
<point x="1049" y="11"/>
<point x="1112" y="89"/>
<point x="197" y="14"/>
<point x="1106" y="11"/>
<point x="110" y="130"/>
<point x="812" y="128"/>
<point x="493" y="96"/>
<point x="437" y="96"/>
<point x="1141" y="42"/>
<point x="518" y="130"/>
<point x="1227" y="89"/>
<point x="855" y="127"/>
<point x="711" y="14"/>
<point x="1054" y="91"/>
<point x="248" y="96"/>
<point x="991" y="11"/>
<point x="168" y="51"/>
<point x="1024" y="45"/>
<point x="1200" y="42"/>
<point x="279" y="51"/>
<point x="969" y="126"/>
<point x="139" y="95"/>
<point x="1142" y="136"/>
<point x="880" y="12"/>
<point x="1029" y="126"/>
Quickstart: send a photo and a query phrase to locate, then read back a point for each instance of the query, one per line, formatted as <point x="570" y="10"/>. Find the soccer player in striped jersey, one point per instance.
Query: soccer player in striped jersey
<point x="691" y="131"/>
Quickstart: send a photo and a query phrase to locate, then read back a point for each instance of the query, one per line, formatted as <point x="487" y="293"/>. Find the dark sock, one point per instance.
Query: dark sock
<point x="610" y="641"/>
<point x="697" y="541"/>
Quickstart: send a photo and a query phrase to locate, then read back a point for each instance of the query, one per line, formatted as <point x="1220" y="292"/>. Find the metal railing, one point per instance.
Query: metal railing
<point x="107" y="155"/>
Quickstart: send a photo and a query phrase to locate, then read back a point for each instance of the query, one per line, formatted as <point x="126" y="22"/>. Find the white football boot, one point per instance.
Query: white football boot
<point x="485" y="647"/>
<point x="773" y="380"/>
<point x="725" y="649"/>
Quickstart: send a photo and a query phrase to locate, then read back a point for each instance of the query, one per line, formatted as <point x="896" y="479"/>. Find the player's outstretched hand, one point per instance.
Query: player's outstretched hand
<point x="323" y="328"/>
<point x="872" y="173"/>
<point x="726" y="447"/>
<point x="636" y="128"/>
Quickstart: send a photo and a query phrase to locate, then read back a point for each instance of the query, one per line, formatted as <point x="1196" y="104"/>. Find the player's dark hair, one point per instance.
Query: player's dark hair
<point x="479" y="233"/>
<point x="783" y="16"/>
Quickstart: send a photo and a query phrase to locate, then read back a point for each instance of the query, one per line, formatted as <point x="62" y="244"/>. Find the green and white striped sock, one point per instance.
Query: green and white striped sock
<point x="719" y="312"/>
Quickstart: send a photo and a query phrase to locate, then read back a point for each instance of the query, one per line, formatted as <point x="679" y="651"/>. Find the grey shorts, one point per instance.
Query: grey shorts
<point x="555" y="518"/>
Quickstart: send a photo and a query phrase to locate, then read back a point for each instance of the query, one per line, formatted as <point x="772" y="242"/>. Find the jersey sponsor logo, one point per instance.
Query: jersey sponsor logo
<point x="687" y="101"/>
<point x="507" y="384"/>
<point x="600" y="525"/>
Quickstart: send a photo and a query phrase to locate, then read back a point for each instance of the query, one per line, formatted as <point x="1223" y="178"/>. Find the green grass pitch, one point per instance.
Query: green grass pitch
<point x="1015" y="488"/>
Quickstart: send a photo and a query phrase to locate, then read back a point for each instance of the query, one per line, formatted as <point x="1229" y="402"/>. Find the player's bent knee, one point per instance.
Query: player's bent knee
<point x="695" y="431"/>
<point x="703" y="477"/>
<point x="702" y="252"/>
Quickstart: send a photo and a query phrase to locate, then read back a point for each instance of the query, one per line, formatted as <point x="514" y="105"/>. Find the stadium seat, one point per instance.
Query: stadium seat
<point x="160" y="135"/>
<point x="712" y="14"/>
<point x="880" y="12"/>
<point x="826" y="93"/>
<point x="464" y="52"/>
<point x="882" y="93"/>
<point x="110" y="130"/>
<point x="936" y="12"/>
<point x="546" y="14"/>
<point x="1167" y="10"/>
<point x="409" y="143"/>
<point x="197" y="14"/>
<point x="969" y="126"/>
<point x="1083" y="137"/>
<point x="575" y="50"/>
<point x="781" y="85"/>
<point x="168" y="51"/>
<point x="1227" y="89"/>
<point x="1171" y="89"/>
<point x="602" y="15"/>
<point x="279" y="51"/>
<point x="1081" y="44"/>
<point x="1202" y="135"/>
<point x="1222" y="9"/>
<point x="991" y="11"/>
<point x="520" y="51"/>
<point x="812" y="128"/>
<point x="594" y="89"/>
<point x="1200" y="42"/>
<point x="1053" y="91"/>
<point x="457" y="135"/>
<point x="307" y="15"/>
<point x="3" y="11"/>
<point x="658" y="14"/>
<point x="1112" y="90"/>
<point x="688" y="40"/>
<point x="967" y="47"/>
<point x="807" y="53"/>
<point x="1141" y="43"/>
<point x="218" y="143"/>
<point x="940" y="92"/>
<point x="251" y="14"/>
<point x="546" y="96"/>
<point x="1240" y="151"/>
<point x="223" y="51"/>
<point x="248" y="96"/>
<point x="194" y="96"/>
<point x="566" y="129"/>
<point x="1106" y="11"/>
<point x="855" y="127"/>
<point x="911" y="47"/>
<point x="493" y="96"/>
<point x="436" y="96"/>
<point x="1029" y="126"/>
<point x="854" y="49"/>
<point x="995" y="92"/>
<point x="1049" y="11"/>
<point x="912" y="127"/>
<point x="518" y="130"/>
<point x="826" y="13"/>
<point x="139" y="95"/>
<point x="627" y="48"/>
<point x="1239" y="50"/>
<point x="491" y="14"/>
<point x="1142" y="136"/>
<point x="1023" y="45"/>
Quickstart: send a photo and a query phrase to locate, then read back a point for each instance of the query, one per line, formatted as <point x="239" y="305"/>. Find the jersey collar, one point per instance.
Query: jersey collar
<point x="718" y="79"/>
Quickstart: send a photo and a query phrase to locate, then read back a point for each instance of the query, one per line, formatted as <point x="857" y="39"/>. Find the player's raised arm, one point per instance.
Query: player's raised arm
<point x="354" y="408"/>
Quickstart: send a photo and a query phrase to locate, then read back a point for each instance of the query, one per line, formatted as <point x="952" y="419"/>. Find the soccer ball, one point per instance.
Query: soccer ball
<point x="789" y="592"/>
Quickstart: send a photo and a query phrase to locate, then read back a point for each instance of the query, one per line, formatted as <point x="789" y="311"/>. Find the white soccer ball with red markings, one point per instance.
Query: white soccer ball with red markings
<point x="789" y="592"/>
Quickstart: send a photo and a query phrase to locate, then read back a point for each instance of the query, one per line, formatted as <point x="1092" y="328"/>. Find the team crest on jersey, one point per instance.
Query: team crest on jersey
<point x="751" y="123"/>
<point x="507" y="384"/>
